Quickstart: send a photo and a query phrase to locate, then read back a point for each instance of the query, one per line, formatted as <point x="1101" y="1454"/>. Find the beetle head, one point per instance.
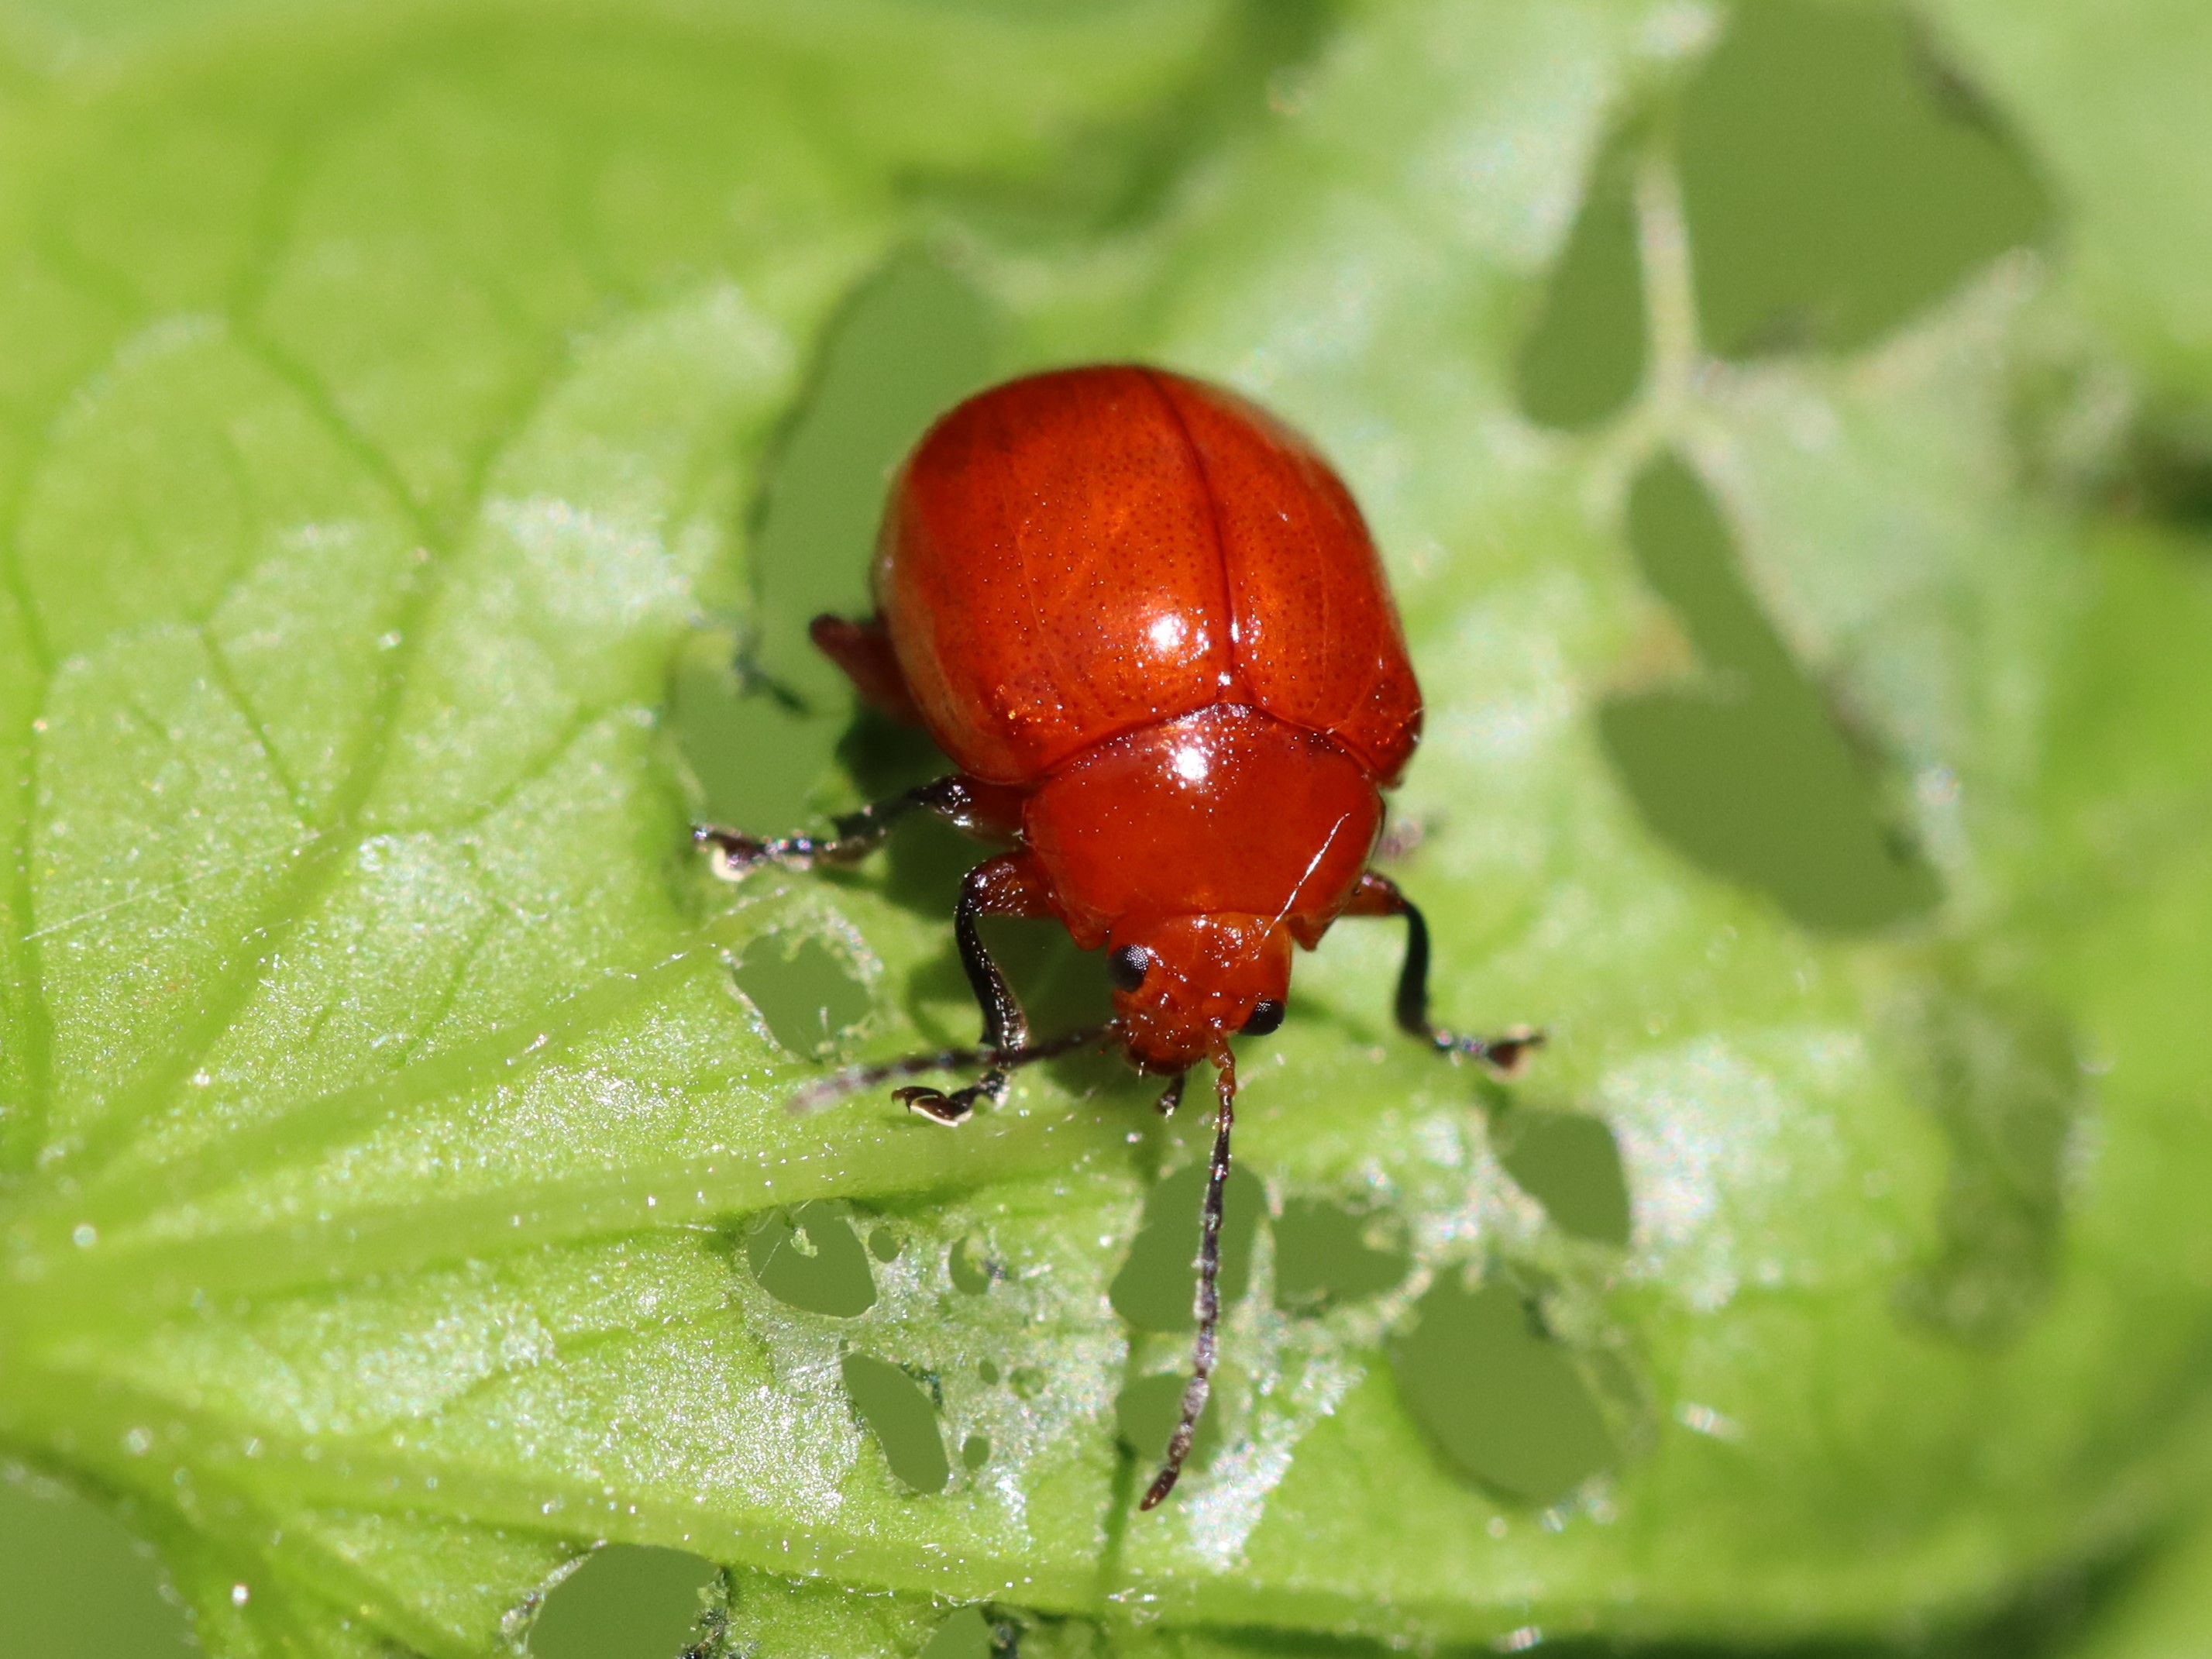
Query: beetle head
<point x="1184" y="985"/>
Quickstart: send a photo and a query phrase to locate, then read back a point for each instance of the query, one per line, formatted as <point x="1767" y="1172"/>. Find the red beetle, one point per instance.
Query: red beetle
<point x="1147" y="625"/>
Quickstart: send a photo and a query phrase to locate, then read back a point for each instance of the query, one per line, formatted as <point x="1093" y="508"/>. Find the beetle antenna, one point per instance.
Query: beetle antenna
<point x="1208" y="1306"/>
<point x="852" y="1079"/>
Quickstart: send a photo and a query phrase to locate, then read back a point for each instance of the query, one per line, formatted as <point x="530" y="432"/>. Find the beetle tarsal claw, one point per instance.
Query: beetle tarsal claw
<point x="955" y="1108"/>
<point x="1507" y="1053"/>
<point x="935" y="1105"/>
<point x="730" y="855"/>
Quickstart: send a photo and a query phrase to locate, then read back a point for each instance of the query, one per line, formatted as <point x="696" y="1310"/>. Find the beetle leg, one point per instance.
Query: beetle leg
<point x="827" y="1090"/>
<point x="1208" y="1307"/>
<point x="953" y="1109"/>
<point x="1012" y="884"/>
<point x="1507" y="1053"/>
<point x="863" y="650"/>
<point x="854" y="836"/>
<point x="1172" y="1096"/>
<point x="979" y="808"/>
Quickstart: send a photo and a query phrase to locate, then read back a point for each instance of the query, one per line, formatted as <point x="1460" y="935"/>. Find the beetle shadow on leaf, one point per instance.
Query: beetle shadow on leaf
<point x="923" y="859"/>
<point x="1062" y="987"/>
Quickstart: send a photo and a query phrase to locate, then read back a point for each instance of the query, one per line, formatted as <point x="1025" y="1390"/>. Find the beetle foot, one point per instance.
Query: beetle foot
<point x="729" y="854"/>
<point x="955" y="1108"/>
<point x="1506" y="1054"/>
<point x="935" y="1104"/>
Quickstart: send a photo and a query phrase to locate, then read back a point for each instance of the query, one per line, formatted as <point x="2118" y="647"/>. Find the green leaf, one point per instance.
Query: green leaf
<point x="2163" y="1608"/>
<point x="2106" y="100"/>
<point x="401" y="1194"/>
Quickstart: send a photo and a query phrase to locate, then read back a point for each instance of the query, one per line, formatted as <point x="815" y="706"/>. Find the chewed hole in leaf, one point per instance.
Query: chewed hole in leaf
<point x="912" y="342"/>
<point x="627" y="1601"/>
<point x="970" y="1270"/>
<point x="74" y="1584"/>
<point x="756" y="754"/>
<point x="1500" y="1398"/>
<point x="974" y="1452"/>
<point x="1745" y="772"/>
<point x="1836" y="179"/>
<point x="903" y="1419"/>
<point x="807" y="993"/>
<point x="811" y="1258"/>
<point x="1570" y="1165"/>
<point x="1584" y="357"/>
<point x="1328" y="1253"/>
<point x="966" y="1634"/>
<point x="1146" y="1412"/>
<point x="1154" y="1290"/>
<point x="761" y="724"/>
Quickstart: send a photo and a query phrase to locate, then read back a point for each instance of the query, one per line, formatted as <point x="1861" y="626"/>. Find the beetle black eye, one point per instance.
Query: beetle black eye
<point x="1267" y="1014"/>
<point x="1126" y="964"/>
